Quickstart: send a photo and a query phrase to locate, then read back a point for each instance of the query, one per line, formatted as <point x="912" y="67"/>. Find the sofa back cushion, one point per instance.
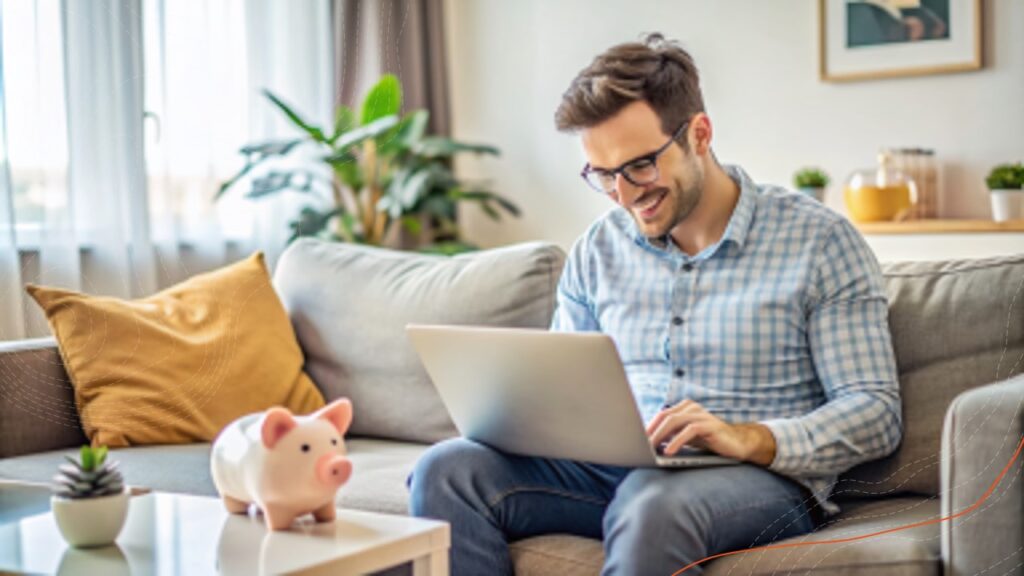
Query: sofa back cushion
<point x="956" y="325"/>
<point x="350" y="304"/>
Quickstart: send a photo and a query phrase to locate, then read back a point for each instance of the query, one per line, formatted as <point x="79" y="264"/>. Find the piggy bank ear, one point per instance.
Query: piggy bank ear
<point x="338" y="413"/>
<point x="276" y="423"/>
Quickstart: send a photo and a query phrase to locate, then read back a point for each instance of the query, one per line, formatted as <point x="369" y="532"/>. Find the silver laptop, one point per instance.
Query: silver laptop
<point x="540" y="393"/>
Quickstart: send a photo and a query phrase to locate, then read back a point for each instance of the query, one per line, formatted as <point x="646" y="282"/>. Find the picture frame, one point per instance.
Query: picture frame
<point x="874" y="39"/>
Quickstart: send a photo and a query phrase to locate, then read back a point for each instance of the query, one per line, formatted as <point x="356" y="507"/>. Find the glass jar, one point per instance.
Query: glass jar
<point x="880" y="194"/>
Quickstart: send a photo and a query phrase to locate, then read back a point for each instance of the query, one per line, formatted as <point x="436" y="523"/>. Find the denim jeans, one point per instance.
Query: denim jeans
<point x="652" y="521"/>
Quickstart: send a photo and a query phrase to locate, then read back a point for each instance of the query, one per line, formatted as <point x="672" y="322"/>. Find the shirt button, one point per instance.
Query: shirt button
<point x="680" y="372"/>
<point x="687" y="267"/>
<point x="677" y="321"/>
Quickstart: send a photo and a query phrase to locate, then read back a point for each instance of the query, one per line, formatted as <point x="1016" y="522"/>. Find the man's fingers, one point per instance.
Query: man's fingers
<point x="674" y="422"/>
<point x="689" y="434"/>
<point x="684" y="406"/>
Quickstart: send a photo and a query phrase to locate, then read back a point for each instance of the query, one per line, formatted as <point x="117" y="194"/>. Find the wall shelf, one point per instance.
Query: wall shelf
<point x="940" y="227"/>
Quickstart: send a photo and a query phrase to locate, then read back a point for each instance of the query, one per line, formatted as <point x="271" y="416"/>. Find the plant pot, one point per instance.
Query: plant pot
<point x="89" y="522"/>
<point x="816" y="193"/>
<point x="1007" y="205"/>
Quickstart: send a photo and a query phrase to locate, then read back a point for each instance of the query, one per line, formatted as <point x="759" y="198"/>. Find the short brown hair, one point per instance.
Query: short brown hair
<point x="655" y="70"/>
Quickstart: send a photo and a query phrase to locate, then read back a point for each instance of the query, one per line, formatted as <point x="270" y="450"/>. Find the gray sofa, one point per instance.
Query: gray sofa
<point x="958" y="330"/>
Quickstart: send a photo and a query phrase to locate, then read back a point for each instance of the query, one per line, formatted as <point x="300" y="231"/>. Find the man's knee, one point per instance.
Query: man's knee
<point x="444" y="471"/>
<point x="647" y="519"/>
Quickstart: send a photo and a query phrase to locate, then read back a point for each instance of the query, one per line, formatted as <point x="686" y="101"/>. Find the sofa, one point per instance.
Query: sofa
<point x="958" y="332"/>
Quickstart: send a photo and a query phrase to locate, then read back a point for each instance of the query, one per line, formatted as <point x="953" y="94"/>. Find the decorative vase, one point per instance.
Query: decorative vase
<point x="1007" y="204"/>
<point x="877" y="195"/>
<point x="90" y="522"/>
<point x="818" y="193"/>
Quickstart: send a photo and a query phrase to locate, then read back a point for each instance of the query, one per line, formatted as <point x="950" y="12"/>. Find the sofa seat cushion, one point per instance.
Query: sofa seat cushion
<point x="377" y="484"/>
<point x="909" y="553"/>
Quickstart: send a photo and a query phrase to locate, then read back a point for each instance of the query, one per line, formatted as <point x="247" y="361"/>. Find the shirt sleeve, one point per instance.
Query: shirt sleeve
<point x="574" y="310"/>
<point x="851" y="346"/>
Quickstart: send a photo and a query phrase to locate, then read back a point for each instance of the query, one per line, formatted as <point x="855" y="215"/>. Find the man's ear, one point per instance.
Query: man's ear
<point x="700" y="134"/>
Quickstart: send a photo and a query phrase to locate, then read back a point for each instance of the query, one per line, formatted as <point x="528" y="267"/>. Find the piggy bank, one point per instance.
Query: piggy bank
<point x="287" y="465"/>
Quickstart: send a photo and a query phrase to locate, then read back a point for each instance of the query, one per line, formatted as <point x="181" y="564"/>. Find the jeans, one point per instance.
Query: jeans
<point x="652" y="521"/>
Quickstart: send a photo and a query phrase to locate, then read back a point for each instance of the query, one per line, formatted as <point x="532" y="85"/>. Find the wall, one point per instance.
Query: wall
<point x="511" y="60"/>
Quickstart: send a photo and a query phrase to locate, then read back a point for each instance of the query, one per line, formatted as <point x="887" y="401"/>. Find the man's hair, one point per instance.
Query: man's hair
<point x="656" y="71"/>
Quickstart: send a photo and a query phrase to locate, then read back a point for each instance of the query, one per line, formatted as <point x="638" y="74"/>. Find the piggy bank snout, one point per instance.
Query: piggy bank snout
<point x="333" y="469"/>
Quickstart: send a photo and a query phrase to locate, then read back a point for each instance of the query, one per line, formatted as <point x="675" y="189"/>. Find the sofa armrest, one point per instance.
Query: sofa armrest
<point x="37" y="401"/>
<point x="981" y="435"/>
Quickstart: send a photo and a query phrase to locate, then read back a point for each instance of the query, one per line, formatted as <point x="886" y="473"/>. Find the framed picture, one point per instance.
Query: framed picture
<point x="867" y="39"/>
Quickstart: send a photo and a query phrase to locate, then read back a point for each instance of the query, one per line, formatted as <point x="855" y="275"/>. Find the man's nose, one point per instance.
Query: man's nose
<point x="625" y="191"/>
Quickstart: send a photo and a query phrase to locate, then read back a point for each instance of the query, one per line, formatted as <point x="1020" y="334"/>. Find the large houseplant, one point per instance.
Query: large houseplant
<point x="384" y="171"/>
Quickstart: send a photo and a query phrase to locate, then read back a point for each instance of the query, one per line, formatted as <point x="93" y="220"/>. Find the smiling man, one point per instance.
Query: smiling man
<point x="751" y="322"/>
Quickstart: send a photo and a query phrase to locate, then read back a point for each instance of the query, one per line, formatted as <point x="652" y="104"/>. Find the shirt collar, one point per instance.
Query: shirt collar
<point x="740" y="221"/>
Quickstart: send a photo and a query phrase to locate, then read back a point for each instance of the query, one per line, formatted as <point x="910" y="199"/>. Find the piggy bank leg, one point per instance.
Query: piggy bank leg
<point x="234" y="505"/>
<point x="277" y="518"/>
<point x="324" y="513"/>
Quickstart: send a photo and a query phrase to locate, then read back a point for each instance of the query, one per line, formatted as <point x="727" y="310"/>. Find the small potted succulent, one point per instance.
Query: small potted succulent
<point x="90" y="502"/>
<point x="811" y="181"/>
<point x="1006" y="184"/>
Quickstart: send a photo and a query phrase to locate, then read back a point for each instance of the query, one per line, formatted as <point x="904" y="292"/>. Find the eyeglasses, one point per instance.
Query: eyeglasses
<point x="639" y="171"/>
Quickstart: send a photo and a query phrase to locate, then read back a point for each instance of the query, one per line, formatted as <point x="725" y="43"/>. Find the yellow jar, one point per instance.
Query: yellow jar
<point x="879" y="195"/>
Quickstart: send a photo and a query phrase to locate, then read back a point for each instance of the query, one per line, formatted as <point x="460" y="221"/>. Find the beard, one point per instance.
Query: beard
<point x="680" y="199"/>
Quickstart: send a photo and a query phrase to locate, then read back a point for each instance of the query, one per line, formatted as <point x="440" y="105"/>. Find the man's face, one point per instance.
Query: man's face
<point x="636" y="131"/>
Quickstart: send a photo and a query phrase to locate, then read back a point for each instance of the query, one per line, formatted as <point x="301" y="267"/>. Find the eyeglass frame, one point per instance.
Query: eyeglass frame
<point x="651" y="157"/>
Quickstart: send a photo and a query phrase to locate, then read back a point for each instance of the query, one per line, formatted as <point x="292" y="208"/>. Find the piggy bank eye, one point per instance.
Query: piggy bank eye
<point x="305" y="447"/>
<point x="334" y="441"/>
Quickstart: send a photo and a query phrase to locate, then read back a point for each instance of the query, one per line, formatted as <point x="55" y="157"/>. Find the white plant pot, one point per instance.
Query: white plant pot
<point x="816" y="193"/>
<point x="1007" y="205"/>
<point x="89" y="522"/>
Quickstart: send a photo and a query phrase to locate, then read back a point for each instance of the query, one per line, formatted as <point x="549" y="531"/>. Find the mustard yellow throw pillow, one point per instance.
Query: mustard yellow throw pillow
<point x="178" y="366"/>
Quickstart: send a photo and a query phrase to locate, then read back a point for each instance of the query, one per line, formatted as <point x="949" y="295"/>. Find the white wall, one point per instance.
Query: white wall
<point x="510" y="61"/>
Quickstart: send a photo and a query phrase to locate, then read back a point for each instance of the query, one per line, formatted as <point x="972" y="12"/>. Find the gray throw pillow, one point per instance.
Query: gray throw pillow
<point x="956" y="325"/>
<point x="349" y="305"/>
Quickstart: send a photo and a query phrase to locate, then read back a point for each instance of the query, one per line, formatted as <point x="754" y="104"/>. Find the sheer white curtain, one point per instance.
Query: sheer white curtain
<point x="123" y="117"/>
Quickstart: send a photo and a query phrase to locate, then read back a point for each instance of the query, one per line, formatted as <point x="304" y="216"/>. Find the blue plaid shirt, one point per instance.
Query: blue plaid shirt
<point x="782" y="322"/>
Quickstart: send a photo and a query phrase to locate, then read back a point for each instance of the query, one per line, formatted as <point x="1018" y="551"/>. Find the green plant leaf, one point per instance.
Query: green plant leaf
<point x="412" y="225"/>
<point x="274" y="181"/>
<point x="311" y="221"/>
<point x="384" y="99"/>
<point x="101" y="455"/>
<point x="357" y="136"/>
<point x="346" y="167"/>
<point x="438" y="147"/>
<point x="485" y="196"/>
<point x="256" y="155"/>
<point x="449" y="248"/>
<point x="88" y="459"/>
<point x="344" y="120"/>
<point x="314" y="132"/>
<point x="407" y="132"/>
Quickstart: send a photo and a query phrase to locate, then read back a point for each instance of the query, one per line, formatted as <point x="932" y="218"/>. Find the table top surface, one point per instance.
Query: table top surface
<point x="171" y="534"/>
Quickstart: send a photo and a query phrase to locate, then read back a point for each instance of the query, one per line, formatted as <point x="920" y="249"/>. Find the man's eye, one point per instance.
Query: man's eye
<point x="640" y="165"/>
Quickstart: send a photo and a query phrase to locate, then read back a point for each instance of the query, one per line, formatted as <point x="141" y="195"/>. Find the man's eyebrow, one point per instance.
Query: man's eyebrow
<point x="630" y="161"/>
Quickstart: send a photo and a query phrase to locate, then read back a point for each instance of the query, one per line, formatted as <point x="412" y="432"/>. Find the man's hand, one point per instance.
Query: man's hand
<point x="689" y="424"/>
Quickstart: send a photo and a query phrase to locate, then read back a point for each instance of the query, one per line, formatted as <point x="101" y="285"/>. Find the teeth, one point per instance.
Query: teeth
<point x="650" y="203"/>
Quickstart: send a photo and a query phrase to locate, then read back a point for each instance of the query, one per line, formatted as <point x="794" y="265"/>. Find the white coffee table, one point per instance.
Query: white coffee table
<point x="170" y="534"/>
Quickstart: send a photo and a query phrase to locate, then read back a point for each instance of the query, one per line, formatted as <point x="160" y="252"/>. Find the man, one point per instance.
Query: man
<point x="751" y="322"/>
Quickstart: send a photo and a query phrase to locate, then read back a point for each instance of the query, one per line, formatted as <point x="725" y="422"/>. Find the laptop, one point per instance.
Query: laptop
<point x="545" y="394"/>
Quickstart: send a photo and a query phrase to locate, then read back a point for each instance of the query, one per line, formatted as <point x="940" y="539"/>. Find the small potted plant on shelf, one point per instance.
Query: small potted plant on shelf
<point x="811" y="181"/>
<point x="1006" y="184"/>
<point x="90" y="502"/>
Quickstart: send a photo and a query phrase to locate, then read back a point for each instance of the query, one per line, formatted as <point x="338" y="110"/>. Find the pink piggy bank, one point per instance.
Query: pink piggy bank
<point x="287" y="465"/>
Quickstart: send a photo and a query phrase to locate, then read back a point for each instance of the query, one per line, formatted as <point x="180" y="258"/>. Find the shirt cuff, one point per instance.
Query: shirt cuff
<point x="794" y="450"/>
